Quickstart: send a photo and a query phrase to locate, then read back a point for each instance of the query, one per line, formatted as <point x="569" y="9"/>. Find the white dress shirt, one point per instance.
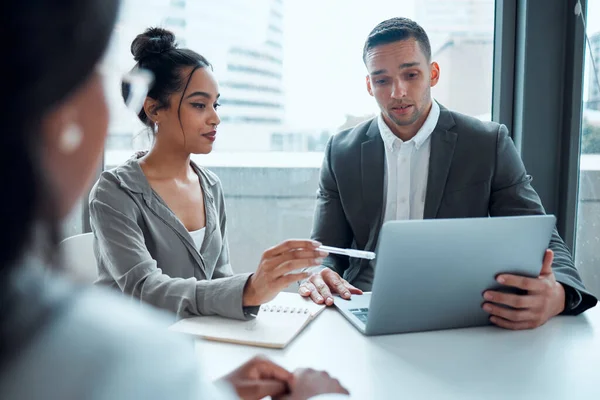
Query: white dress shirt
<point x="407" y="169"/>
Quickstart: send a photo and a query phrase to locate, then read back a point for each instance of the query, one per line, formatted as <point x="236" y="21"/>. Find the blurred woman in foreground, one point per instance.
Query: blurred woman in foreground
<point x="59" y="341"/>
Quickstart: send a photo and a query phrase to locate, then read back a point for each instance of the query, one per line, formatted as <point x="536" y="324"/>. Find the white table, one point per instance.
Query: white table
<point x="560" y="360"/>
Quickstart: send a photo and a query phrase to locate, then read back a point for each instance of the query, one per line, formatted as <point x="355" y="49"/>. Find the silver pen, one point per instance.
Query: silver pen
<point x="369" y="255"/>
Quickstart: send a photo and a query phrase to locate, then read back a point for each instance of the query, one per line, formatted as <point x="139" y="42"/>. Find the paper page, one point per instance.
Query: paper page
<point x="277" y="323"/>
<point x="267" y="330"/>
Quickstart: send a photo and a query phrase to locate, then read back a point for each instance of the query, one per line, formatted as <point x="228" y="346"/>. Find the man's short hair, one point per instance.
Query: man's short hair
<point x="394" y="30"/>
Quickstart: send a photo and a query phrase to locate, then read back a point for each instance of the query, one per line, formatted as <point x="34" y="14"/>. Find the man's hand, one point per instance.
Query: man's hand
<point x="320" y="286"/>
<point x="545" y="298"/>
<point x="309" y="383"/>
<point x="259" y="378"/>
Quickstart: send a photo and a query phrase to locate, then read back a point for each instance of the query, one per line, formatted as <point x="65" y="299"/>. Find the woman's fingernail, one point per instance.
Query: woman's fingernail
<point x="318" y="261"/>
<point x="323" y="253"/>
<point x="316" y="244"/>
<point x="319" y="298"/>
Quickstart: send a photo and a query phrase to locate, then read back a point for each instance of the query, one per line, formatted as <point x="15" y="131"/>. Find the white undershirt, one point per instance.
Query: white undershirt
<point x="407" y="169"/>
<point x="198" y="237"/>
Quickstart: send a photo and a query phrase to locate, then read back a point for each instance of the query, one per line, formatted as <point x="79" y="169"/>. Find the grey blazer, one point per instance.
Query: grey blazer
<point x="474" y="171"/>
<point x="144" y="250"/>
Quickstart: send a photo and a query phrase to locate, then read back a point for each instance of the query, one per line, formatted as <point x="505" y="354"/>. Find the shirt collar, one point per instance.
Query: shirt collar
<point x="422" y="135"/>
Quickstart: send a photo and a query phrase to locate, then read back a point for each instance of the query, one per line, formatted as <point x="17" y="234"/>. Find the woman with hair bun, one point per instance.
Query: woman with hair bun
<point x="159" y="219"/>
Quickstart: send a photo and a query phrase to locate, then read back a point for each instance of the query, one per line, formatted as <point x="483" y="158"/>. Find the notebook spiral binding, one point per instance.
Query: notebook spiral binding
<point x="283" y="309"/>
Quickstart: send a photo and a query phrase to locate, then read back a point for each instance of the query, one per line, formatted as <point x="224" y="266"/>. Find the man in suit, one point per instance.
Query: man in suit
<point x="418" y="160"/>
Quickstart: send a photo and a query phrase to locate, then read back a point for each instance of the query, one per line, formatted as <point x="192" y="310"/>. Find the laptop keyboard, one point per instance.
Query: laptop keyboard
<point x="360" y="313"/>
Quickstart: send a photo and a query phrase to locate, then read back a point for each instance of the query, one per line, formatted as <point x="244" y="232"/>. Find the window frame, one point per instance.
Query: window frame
<point x="556" y="171"/>
<point x="548" y="135"/>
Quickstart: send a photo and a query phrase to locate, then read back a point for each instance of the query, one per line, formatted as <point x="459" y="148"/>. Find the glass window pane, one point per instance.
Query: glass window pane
<point x="291" y="75"/>
<point x="587" y="253"/>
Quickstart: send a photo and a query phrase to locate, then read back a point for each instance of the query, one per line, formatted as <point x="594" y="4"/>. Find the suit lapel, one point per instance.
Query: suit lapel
<point x="132" y="178"/>
<point x="443" y="142"/>
<point x="372" y="160"/>
<point x="162" y="211"/>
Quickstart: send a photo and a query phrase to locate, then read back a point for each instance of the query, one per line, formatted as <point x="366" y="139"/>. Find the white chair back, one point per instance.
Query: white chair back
<point x="79" y="259"/>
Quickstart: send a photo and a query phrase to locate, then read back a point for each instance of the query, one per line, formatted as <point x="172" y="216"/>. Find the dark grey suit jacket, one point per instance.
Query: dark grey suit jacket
<point x="474" y="171"/>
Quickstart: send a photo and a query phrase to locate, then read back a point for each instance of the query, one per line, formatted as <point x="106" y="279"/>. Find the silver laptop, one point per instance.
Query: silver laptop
<point x="431" y="274"/>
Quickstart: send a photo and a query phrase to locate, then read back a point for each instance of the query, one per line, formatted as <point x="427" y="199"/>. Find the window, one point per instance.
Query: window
<point x="275" y="29"/>
<point x="273" y="43"/>
<point x="277" y="14"/>
<point x="587" y="253"/>
<point x="174" y="22"/>
<point x="178" y="3"/>
<point x="256" y="54"/>
<point x="291" y="76"/>
<point x="249" y="103"/>
<point x="250" y="86"/>
<point x="253" y="71"/>
<point x="252" y="120"/>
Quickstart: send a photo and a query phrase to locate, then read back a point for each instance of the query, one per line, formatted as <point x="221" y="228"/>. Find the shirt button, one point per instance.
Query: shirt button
<point x="403" y="200"/>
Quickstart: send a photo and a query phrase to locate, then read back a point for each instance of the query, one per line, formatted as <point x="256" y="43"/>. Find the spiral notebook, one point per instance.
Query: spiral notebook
<point x="276" y="325"/>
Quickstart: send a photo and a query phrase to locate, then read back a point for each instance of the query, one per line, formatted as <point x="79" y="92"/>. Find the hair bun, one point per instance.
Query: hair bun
<point x="153" y="41"/>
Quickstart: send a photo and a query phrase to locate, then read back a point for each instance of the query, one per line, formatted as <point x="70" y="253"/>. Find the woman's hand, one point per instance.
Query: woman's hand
<point x="259" y="378"/>
<point x="308" y="383"/>
<point x="276" y="269"/>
